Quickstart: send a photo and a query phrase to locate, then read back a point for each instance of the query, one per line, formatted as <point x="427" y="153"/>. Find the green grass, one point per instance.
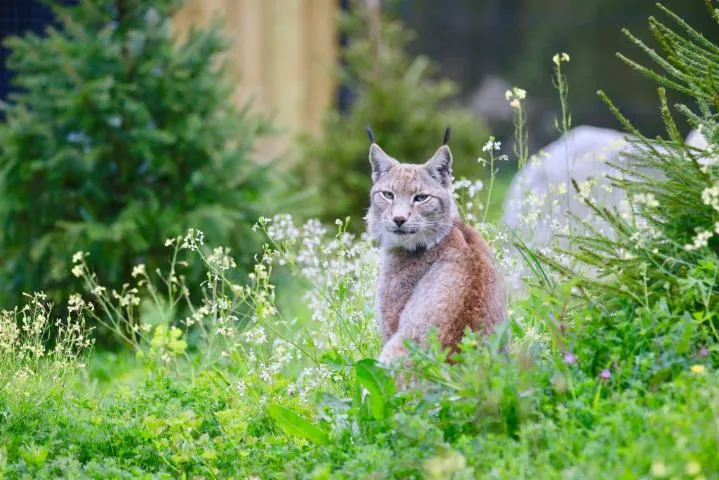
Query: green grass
<point x="529" y="411"/>
<point x="118" y="419"/>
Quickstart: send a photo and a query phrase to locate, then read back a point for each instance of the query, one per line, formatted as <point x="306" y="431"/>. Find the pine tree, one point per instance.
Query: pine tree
<point x="121" y="136"/>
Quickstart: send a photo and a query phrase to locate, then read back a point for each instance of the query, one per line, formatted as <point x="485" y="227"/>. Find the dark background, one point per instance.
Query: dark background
<point x="18" y="17"/>
<point x="515" y="39"/>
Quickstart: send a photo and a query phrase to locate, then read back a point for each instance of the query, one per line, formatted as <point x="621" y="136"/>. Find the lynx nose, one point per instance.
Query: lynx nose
<point x="399" y="221"/>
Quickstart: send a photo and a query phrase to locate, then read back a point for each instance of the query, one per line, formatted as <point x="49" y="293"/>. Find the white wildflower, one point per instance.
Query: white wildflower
<point x="99" y="290"/>
<point x="77" y="271"/>
<point x="559" y="58"/>
<point x="710" y="196"/>
<point x="75" y="303"/>
<point x="193" y="240"/>
<point x="491" y="145"/>
<point x="700" y="240"/>
<point x="647" y="199"/>
<point x="138" y="270"/>
<point x="515" y="96"/>
<point x="220" y="259"/>
<point x="241" y="388"/>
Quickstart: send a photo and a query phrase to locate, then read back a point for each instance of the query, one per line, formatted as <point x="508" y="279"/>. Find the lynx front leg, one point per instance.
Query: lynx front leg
<point x="393" y="349"/>
<point x="439" y="302"/>
<point x="392" y="352"/>
<point x="434" y="303"/>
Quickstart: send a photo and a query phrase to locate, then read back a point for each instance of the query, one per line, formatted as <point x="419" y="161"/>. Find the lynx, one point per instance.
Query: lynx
<point x="435" y="270"/>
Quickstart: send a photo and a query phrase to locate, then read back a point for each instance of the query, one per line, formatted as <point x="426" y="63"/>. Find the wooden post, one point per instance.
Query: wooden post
<point x="322" y="41"/>
<point x="283" y="57"/>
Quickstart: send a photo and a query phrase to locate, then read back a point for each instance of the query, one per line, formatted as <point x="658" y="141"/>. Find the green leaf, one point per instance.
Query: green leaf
<point x="294" y="424"/>
<point x="687" y="330"/>
<point x="378" y="384"/>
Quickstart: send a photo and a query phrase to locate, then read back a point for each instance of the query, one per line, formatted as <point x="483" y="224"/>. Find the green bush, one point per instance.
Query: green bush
<point x="119" y="138"/>
<point x="653" y="294"/>
<point x="405" y="102"/>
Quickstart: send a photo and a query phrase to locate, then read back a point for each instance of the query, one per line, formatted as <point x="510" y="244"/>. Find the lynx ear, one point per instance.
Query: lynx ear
<point x="380" y="161"/>
<point x="447" y="133"/>
<point x="440" y="166"/>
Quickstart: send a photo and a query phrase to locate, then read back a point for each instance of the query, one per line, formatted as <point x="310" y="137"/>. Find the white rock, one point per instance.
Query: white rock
<point x="542" y="204"/>
<point x="541" y="196"/>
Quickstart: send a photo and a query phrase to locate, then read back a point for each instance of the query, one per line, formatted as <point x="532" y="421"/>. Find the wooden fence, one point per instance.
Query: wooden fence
<point x="283" y="55"/>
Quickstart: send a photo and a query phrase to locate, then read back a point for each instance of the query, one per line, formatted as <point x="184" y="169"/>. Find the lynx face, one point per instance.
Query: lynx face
<point x="411" y="206"/>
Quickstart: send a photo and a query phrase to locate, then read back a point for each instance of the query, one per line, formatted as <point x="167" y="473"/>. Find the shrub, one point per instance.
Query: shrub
<point x="653" y="290"/>
<point x="403" y="100"/>
<point x="120" y="137"/>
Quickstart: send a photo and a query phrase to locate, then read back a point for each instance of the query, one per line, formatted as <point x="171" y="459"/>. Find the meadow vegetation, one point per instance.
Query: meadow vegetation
<point x="606" y="368"/>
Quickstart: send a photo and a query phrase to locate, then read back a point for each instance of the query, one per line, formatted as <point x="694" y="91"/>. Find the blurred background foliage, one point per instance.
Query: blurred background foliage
<point x="117" y="138"/>
<point x="431" y="64"/>
<point x="404" y="98"/>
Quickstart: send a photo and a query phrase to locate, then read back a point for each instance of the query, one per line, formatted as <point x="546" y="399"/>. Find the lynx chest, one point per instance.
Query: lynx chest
<point x="399" y="275"/>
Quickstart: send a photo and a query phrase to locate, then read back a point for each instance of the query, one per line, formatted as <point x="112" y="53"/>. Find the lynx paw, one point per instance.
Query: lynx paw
<point x="393" y="349"/>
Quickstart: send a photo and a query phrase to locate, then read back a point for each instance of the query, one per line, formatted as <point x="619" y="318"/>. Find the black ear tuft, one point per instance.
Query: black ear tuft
<point x="370" y="134"/>
<point x="447" y="133"/>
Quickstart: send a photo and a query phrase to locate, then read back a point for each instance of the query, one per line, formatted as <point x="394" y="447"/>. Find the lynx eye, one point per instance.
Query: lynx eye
<point x="388" y="195"/>
<point x="421" y="197"/>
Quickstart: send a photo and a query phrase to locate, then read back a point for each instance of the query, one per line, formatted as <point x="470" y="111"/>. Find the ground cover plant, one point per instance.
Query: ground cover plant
<point x="607" y="368"/>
